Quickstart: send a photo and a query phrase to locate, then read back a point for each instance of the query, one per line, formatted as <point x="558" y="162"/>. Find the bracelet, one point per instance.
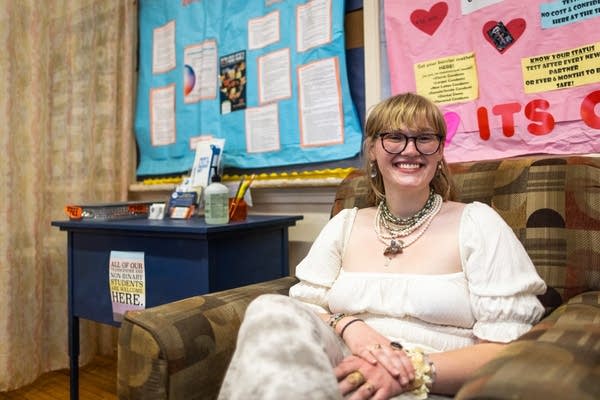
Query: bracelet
<point x="347" y="325"/>
<point x="334" y="319"/>
<point x="424" y="372"/>
<point x="433" y="371"/>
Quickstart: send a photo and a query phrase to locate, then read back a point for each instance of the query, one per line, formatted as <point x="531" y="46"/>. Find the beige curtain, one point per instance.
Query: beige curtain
<point x="67" y="72"/>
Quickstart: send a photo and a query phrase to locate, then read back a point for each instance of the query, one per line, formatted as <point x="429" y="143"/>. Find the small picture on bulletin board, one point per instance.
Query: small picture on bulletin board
<point x="232" y="78"/>
<point x="500" y="36"/>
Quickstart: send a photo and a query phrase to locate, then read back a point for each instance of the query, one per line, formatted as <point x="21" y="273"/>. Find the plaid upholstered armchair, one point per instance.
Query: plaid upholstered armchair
<point x="180" y="351"/>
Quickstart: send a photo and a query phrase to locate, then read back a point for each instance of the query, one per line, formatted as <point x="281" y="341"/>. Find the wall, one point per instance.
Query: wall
<point x="314" y="203"/>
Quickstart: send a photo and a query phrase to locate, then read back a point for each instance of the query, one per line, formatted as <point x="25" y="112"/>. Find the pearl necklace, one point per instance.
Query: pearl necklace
<point x="418" y="227"/>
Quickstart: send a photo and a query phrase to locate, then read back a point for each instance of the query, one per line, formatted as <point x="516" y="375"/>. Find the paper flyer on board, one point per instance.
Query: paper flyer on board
<point x="233" y="82"/>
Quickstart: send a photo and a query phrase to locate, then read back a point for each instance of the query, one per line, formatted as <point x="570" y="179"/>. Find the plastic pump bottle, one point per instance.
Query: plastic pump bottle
<point x="216" y="202"/>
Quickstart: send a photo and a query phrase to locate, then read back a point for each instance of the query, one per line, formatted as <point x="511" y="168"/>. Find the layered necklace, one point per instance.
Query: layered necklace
<point x="390" y="228"/>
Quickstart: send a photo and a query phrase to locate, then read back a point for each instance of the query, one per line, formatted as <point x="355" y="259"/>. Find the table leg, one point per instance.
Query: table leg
<point x="74" y="356"/>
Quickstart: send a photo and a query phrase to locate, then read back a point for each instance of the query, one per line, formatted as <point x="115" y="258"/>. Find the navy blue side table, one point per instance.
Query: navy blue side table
<point x="183" y="258"/>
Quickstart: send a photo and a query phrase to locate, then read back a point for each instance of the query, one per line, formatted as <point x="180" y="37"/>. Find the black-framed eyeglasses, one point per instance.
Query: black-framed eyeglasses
<point x="396" y="142"/>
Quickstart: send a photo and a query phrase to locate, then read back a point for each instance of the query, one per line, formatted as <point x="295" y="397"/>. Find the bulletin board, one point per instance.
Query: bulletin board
<point x="513" y="77"/>
<point x="268" y="76"/>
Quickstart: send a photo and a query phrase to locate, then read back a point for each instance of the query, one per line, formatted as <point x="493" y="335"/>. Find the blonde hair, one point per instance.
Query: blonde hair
<point x="412" y="112"/>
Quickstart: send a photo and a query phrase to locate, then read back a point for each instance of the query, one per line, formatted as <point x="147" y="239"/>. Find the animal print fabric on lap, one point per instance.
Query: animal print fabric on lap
<point x="283" y="347"/>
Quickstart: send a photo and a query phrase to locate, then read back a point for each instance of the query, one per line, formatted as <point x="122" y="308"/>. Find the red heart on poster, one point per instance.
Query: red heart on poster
<point x="429" y="21"/>
<point x="516" y="27"/>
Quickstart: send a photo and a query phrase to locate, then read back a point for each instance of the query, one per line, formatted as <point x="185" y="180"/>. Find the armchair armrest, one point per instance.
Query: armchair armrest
<point x="181" y="350"/>
<point x="557" y="359"/>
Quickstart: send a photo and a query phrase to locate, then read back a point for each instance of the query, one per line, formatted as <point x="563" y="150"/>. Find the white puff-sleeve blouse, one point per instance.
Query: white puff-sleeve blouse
<point x="493" y="298"/>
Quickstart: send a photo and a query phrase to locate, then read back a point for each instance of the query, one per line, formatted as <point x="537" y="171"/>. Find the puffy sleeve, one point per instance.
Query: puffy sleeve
<point x="503" y="282"/>
<point x="321" y="266"/>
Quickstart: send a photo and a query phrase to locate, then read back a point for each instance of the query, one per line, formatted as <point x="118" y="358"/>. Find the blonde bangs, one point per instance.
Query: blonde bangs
<point x="408" y="111"/>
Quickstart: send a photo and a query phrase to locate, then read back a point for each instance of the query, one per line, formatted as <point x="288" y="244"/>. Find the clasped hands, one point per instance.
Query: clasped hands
<point x="379" y="370"/>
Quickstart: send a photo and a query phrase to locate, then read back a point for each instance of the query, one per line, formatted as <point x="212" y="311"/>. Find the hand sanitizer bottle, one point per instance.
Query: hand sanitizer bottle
<point x="216" y="202"/>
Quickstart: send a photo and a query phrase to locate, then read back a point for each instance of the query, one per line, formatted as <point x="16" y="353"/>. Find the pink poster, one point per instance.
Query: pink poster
<point x="514" y="77"/>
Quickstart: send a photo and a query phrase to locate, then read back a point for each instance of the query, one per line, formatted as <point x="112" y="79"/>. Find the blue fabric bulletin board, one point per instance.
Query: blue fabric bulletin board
<point x="224" y="26"/>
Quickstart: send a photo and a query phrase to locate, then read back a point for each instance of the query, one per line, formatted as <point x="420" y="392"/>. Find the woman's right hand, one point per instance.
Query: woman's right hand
<point x="359" y="380"/>
<point x="370" y="345"/>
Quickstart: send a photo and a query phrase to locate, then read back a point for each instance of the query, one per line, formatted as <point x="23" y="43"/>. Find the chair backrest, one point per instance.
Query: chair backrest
<point x="552" y="204"/>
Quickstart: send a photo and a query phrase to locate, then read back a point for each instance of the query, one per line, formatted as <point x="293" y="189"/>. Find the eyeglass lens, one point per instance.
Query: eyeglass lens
<point x="396" y="143"/>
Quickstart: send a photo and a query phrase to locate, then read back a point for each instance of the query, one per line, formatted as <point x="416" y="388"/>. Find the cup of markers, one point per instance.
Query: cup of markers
<point x="238" y="208"/>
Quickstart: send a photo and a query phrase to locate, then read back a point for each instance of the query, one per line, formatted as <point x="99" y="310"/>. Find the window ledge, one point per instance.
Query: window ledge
<point x="268" y="191"/>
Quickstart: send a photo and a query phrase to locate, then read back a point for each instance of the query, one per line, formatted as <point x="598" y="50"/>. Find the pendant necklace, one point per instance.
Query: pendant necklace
<point x="390" y="229"/>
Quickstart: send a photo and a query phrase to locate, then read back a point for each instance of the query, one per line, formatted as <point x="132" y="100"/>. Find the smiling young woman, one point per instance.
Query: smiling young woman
<point x="402" y="299"/>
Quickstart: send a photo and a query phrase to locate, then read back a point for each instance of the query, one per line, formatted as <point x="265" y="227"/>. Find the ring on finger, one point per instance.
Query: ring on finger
<point x="375" y="346"/>
<point x="396" y="345"/>
<point x="356" y="378"/>
<point x="369" y="387"/>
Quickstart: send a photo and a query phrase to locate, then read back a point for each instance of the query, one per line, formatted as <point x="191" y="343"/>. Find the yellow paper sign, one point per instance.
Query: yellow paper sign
<point x="569" y="68"/>
<point x="448" y="80"/>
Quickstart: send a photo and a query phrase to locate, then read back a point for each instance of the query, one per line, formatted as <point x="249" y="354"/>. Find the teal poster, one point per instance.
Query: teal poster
<point x="268" y="76"/>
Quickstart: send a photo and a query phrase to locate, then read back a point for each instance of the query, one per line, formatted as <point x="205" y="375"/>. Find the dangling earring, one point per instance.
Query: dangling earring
<point x="373" y="169"/>
<point x="439" y="169"/>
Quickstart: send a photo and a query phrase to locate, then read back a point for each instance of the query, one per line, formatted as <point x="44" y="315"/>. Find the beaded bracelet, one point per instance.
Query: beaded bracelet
<point x="334" y="319"/>
<point x="424" y="372"/>
<point x="433" y="372"/>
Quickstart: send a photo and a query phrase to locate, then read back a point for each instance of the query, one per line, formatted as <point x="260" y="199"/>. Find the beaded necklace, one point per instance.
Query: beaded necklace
<point x="413" y="218"/>
<point x="387" y="227"/>
<point x="399" y="227"/>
